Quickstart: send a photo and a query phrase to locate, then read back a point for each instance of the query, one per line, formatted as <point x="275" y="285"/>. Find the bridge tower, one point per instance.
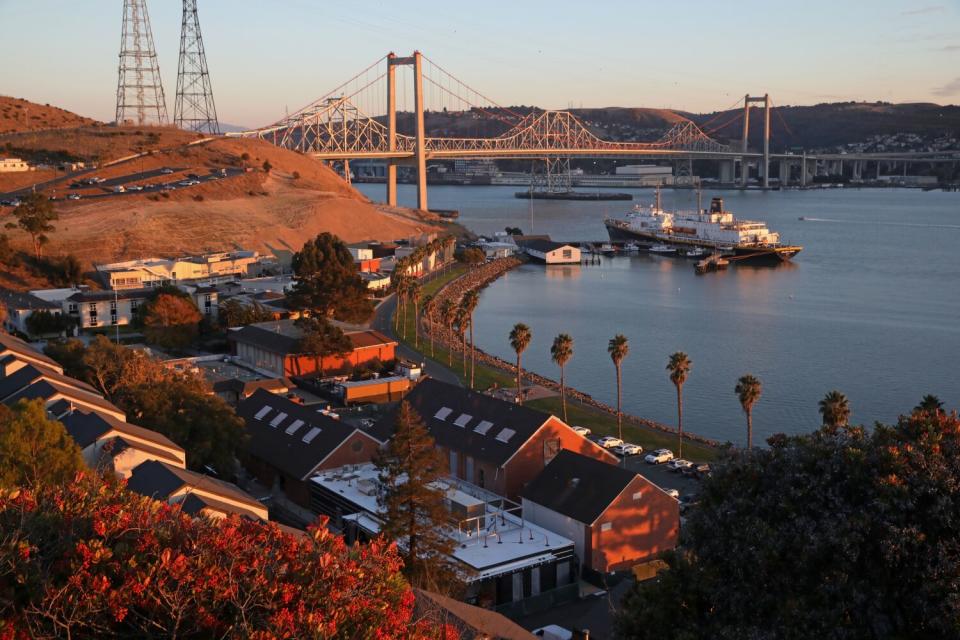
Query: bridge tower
<point x="420" y="150"/>
<point x="765" y="168"/>
<point x="194" y="108"/>
<point x="140" y="96"/>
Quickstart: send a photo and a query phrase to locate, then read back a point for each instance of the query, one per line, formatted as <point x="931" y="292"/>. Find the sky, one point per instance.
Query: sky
<point x="268" y="57"/>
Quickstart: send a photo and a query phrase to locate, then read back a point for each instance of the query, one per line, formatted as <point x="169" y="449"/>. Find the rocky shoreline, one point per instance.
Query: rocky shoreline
<point x="478" y="278"/>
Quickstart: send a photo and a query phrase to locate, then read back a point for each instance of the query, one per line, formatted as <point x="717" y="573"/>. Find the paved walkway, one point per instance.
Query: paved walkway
<point x="383" y="322"/>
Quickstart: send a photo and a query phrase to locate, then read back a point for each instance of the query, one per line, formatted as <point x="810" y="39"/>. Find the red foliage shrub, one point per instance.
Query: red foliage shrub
<point x="98" y="561"/>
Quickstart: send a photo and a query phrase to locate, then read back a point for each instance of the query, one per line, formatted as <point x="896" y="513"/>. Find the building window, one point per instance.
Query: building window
<point x="73" y="308"/>
<point x="134" y="305"/>
<point x="92" y="309"/>
<point x="638" y="495"/>
<point x="551" y="448"/>
<point x="480" y="477"/>
<point x="567" y="253"/>
<point x="606" y="526"/>
<point x="357" y="446"/>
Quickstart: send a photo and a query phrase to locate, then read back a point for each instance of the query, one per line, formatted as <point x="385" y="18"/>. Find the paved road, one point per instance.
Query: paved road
<point x="382" y="323"/>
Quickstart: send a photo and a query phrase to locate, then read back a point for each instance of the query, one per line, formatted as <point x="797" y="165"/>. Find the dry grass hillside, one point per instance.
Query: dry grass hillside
<point x="252" y="208"/>
<point x="22" y="115"/>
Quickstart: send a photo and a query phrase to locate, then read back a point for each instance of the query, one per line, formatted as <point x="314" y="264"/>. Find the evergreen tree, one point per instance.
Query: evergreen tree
<point x="328" y="283"/>
<point x="415" y="515"/>
<point x="35" y="450"/>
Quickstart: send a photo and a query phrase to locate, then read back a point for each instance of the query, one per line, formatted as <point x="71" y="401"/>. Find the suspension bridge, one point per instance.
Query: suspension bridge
<point x="362" y="118"/>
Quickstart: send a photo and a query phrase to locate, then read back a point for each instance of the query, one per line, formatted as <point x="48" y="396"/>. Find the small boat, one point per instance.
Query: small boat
<point x="607" y="249"/>
<point x="715" y="262"/>
<point x="663" y="249"/>
<point x="631" y="247"/>
<point x="696" y="252"/>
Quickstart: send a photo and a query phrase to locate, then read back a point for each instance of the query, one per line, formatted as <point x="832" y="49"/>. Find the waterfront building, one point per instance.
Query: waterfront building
<point x="550" y="252"/>
<point x="491" y="443"/>
<point x="616" y="517"/>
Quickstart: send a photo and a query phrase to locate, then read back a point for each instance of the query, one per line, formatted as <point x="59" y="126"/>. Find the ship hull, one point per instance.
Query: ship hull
<point x="745" y="254"/>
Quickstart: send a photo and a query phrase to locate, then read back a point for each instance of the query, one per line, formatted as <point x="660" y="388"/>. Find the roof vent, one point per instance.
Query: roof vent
<point x="294" y="426"/>
<point x="463" y="420"/>
<point x="280" y="417"/>
<point x="443" y="413"/>
<point x="313" y="433"/>
<point x="483" y="427"/>
<point x="505" y="435"/>
<point x="263" y="411"/>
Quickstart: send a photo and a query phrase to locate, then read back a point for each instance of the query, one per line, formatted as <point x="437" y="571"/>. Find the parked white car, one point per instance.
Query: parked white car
<point x="553" y="632"/>
<point x="581" y="430"/>
<point x="659" y="456"/>
<point x="673" y="493"/>
<point x="679" y="464"/>
<point x="609" y="442"/>
<point x="628" y="449"/>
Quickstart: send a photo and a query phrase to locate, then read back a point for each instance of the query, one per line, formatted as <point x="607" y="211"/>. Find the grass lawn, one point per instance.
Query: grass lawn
<point x="600" y="422"/>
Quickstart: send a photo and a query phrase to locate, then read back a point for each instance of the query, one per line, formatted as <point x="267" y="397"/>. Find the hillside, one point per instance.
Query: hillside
<point x="250" y="207"/>
<point x="22" y="115"/>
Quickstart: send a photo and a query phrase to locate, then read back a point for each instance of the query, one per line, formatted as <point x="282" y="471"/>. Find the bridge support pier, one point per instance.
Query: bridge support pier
<point x="784" y="173"/>
<point x="391" y="128"/>
<point x="727" y="171"/>
<point x="421" y="152"/>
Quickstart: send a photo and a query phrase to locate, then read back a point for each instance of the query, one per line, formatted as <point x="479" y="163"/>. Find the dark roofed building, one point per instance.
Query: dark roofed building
<point x="174" y="485"/>
<point x="289" y="442"/>
<point x="616" y="517"/>
<point x="104" y="439"/>
<point x="20" y="306"/>
<point x="489" y="442"/>
<point x="275" y="346"/>
<point x="22" y="350"/>
<point x="52" y="392"/>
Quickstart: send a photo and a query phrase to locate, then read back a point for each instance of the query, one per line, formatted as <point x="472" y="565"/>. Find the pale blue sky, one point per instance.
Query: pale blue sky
<point x="267" y="55"/>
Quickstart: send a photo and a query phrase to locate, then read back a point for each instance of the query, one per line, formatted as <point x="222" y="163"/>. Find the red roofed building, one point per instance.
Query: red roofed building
<point x="274" y="347"/>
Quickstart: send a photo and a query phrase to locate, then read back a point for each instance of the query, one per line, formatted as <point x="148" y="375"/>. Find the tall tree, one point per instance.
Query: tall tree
<point x="469" y="304"/>
<point x="35" y="215"/>
<point x="414" y="293"/>
<point x="414" y="510"/>
<point x="561" y="351"/>
<point x="463" y="321"/>
<point x="748" y="391"/>
<point x="321" y="339"/>
<point x="520" y="337"/>
<point x="618" y="348"/>
<point x="847" y="533"/>
<point x="930" y="403"/>
<point x="429" y="312"/>
<point x="35" y="450"/>
<point x="835" y="410"/>
<point x="171" y="321"/>
<point x="679" y="368"/>
<point x="328" y="283"/>
<point x="448" y="313"/>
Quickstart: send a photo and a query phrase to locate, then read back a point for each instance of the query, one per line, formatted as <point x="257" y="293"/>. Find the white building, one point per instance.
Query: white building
<point x="20" y="306"/>
<point x="93" y="309"/>
<point x="11" y="165"/>
<point x="210" y="268"/>
<point x="551" y="252"/>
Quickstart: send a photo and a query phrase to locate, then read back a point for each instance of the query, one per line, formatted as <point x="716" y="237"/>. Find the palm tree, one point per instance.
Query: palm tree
<point x="561" y="351"/>
<point x="414" y="292"/>
<point x="469" y="303"/>
<point x="462" y="321"/>
<point x="679" y="368"/>
<point x="929" y="404"/>
<point x="748" y="390"/>
<point x="520" y="339"/>
<point x="448" y="313"/>
<point x="618" y="348"/>
<point x="835" y="409"/>
<point x="402" y="285"/>
<point x="429" y="312"/>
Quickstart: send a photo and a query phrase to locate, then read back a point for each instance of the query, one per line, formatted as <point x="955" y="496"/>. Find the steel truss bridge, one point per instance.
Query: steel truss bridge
<point x="358" y="120"/>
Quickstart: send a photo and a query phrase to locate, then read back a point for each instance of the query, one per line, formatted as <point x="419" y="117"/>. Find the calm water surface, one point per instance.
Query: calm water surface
<point x="871" y="306"/>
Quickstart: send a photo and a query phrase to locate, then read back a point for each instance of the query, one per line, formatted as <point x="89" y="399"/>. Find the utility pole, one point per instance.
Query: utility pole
<point x="194" y="108"/>
<point x="140" y="96"/>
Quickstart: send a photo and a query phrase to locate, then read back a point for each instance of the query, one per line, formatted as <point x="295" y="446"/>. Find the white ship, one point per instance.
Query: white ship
<point x="713" y="229"/>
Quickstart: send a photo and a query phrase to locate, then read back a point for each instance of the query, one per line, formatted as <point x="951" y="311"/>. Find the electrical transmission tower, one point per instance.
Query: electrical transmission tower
<point x="140" y="96"/>
<point x="194" y="108"/>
